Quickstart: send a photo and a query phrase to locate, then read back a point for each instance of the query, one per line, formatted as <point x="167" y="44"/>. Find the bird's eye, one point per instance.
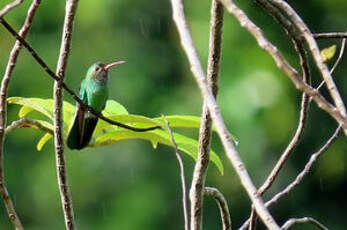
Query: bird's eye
<point x="97" y="68"/>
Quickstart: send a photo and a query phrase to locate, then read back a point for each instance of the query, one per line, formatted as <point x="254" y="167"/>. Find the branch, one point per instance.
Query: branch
<point x="3" y="107"/>
<point x="71" y="92"/>
<point x="25" y="122"/>
<point x="301" y="175"/>
<point x="316" y="55"/>
<point x="306" y="170"/>
<point x="200" y="169"/>
<point x="283" y="64"/>
<point x="183" y="181"/>
<point x="198" y="73"/>
<point x="9" y="7"/>
<point x="330" y="35"/>
<point x="293" y="34"/>
<point x="303" y="220"/>
<point x="64" y="189"/>
<point x="222" y="205"/>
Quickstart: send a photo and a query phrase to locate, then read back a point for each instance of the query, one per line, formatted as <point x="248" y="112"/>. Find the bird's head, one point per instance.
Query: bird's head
<point x="99" y="71"/>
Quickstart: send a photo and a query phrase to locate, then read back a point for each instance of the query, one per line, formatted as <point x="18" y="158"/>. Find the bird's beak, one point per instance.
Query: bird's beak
<point x="107" y="67"/>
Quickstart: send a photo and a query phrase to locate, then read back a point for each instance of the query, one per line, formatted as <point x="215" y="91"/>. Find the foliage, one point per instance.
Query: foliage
<point x="107" y="134"/>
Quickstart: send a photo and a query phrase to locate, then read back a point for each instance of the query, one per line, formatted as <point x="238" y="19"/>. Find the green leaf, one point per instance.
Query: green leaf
<point x="185" y="144"/>
<point x="181" y="121"/>
<point x="188" y="122"/>
<point x="114" y="108"/>
<point x="328" y="53"/>
<point x="44" y="106"/>
<point x="43" y="141"/>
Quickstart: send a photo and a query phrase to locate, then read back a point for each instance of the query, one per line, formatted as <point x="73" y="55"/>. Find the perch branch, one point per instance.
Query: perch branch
<point x="283" y="64"/>
<point x="301" y="175"/>
<point x="3" y="108"/>
<point x="222" y="205"/>
<point x="9" y="7"/>
<point x="183" y="181"/>
<point x="67" y="89"/>
<point x="311" y="42"/>
<point x="289" y="223"/>
<point x="198" y="73"/>
<point x="63" y="183"/>
<point x="25" y="122"/>
<point x="200" y="169"/>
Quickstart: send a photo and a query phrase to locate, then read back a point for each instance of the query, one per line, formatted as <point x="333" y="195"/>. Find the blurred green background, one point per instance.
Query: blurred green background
<point x="131" y="186"/>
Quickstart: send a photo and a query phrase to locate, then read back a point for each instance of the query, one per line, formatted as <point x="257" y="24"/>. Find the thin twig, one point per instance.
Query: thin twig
<point x="183" y="181"/>
<point x="289" y="223"/>
<point x="3" y="110"/>
<point x="306" y="170"/>
<point x="311" y="42"/>
<point x="293" y="34"/>
<point x="200" y="169"/>
<point x="71" y="92"/>
<point x="9" y="7"/>
<point x="342" y="50"/>
<point x="198" y="73"/>
<point x="338" y="35"/>
<point x="301" y="175"/>
<point x="63" y="183"/>
<point x="222" y="205"/>
<point x="26" y="122"/>
<point x="283" y="64"/>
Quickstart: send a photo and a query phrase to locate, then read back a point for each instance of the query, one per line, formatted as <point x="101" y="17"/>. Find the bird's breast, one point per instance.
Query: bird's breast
<point x="97" y="95"/>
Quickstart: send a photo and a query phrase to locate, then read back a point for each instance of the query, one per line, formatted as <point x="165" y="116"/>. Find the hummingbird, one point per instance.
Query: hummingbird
<point x="94" y="93"/>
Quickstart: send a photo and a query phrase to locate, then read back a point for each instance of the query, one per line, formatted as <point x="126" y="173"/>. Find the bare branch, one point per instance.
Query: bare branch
<point x="301" y="175"/>
<point x="71" y="92"/>
<point x="338" y="35"/>
<point x="316" y="55"/>
<point x="283" y="64"/>
<point x="289" y="223"/>
<point x="65" y="194"/>
<point x="306" y="170"/>
<point x="198" y="73"/>
<point x="222" y="205"/>
<point x="9" y="7"/>
<point x="200" y="169"/>
<point x="3" y="107"/>
<point x="292" y="32"/>
<point x="183" y="181"/>
<point x="25" y="122"/>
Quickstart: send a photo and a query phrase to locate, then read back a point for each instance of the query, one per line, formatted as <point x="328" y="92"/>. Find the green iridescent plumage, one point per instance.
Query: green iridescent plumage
<point x="93" y="92"/>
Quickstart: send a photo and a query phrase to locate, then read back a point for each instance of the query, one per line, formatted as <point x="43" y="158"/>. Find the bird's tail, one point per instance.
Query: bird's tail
<point x="82" y="130"/>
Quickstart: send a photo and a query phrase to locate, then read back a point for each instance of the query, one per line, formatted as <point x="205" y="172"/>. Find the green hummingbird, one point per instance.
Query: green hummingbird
<point x="94" y="93"/>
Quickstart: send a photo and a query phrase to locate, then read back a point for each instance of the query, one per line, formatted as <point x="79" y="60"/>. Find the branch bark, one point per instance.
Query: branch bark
<point x="289" y="223"/>
<point x="65" y="194"/>
<point x="198" y="73"/>
<point x="200" y="169"/>
<point x="3" y="105"/>
<point x="222" y="205"/>
<point x="9" y="7"/>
